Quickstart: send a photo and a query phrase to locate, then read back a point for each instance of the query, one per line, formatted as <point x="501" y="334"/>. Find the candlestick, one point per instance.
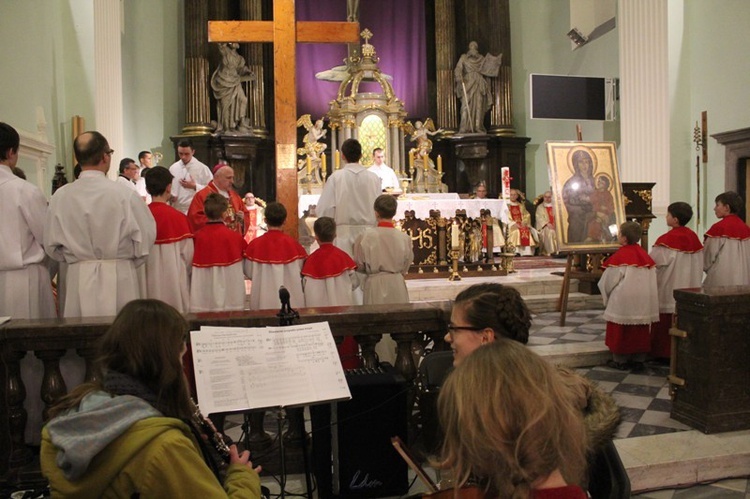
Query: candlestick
<point x="323" y="164"/>
<point x="411" y="160"/>
<point x="309" y="166"/>
<point x="440" y="164"/>
<point x="424" y="161"/>
<point x="337" y="160"/>
<point x="454" y="235"/>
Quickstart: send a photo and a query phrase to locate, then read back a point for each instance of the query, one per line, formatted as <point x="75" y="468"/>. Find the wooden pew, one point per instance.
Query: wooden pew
<point x="49" y="339"/>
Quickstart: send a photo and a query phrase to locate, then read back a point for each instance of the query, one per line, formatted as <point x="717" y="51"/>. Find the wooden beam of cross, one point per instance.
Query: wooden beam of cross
<point x="284" y="32"/>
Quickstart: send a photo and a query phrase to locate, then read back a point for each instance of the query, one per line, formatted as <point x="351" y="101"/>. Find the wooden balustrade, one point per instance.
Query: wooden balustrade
<point x="50" y="339"/>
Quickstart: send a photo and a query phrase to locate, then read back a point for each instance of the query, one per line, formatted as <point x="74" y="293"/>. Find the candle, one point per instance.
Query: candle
<point x="440" y="164"/>
<point x="411" y="159"/>
<point x="424" y="161"/>
<point x="454" y="235"/>
<point x="337" y="160"/>
<point x="505" y="181"/>
<point x="309" y="166"/>
<point x="323" y="164"/>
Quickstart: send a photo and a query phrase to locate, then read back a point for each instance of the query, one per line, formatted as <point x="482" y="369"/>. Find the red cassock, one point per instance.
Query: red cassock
<point x="629" y="338"/>
<point x="330" y="262"/>
<point x="236" y="217"/>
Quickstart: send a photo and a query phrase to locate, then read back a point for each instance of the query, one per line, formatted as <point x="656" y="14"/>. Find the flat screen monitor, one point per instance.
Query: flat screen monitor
<point x="572" y="97"/>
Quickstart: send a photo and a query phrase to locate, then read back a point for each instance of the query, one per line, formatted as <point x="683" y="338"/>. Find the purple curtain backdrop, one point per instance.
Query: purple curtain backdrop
<point x="399" y="38"/>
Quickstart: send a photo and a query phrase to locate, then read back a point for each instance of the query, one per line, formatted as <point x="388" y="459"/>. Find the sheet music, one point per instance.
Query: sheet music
<point x="249" y="368"/>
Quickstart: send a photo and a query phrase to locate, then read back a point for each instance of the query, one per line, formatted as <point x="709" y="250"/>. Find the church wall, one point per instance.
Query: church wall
<point x="719" y="74"/>
<point x="153" y="76"/>
<point x="540" y="45"/>
<point x="48" y="67"/>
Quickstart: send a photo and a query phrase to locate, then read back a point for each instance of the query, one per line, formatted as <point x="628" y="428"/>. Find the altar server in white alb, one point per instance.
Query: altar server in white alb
<point x="348" y="197"/>
<point x="101" y="231"/>
<point x="679" y="264"/>
<point x="190" y="176"/>
<point x="25" y="271"/>
<point x="726" y="259"/>
<point x="25" y="280"/>
<point x="170" y="261"/>
<point x="628" y="287"/>
<point x="384" y="254"/>
<point x="388" y="178"/>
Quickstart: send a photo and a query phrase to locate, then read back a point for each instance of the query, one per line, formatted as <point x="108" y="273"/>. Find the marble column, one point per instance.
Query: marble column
<point x="501" y="113"/>
<point x="251" y="10"/>
<point x="445" y="50"/>
<point x="644" y="96"/>
<point x="197" y="103"/>
<point x="108" y="114"/>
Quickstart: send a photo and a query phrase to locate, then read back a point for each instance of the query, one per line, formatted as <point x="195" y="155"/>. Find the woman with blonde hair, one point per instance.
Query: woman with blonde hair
<point x="134" y="431"/>
<point x="511" y="425"/>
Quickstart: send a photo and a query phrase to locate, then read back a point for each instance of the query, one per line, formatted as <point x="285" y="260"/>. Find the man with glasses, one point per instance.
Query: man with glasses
<point x="128" y="173"/>
<point x="101" y="232"/>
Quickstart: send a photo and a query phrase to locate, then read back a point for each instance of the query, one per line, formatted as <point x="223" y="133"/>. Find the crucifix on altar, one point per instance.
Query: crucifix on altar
<point x="284" y="32"/>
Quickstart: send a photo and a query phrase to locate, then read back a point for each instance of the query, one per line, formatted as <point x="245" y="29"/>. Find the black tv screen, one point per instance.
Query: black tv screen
<point x="569" y="97"/>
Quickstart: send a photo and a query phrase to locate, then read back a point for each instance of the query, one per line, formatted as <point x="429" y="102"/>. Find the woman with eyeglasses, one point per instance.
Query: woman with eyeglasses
<point x="134" y="431"/>
<point x="511" y="426"/>
<point x="484" y="313"/>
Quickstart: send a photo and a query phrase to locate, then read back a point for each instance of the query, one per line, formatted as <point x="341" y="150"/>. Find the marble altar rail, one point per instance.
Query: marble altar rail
<point x="49" y="339"/>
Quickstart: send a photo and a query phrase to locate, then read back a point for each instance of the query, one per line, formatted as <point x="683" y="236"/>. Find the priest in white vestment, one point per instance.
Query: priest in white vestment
<point x="545" y="225"/>
<point x="25" y="276"/>
<point x="348" y="197"/>
<point x="128" y="174"/>
<point x="101" y="231"/>
<point x="388" y="178"/>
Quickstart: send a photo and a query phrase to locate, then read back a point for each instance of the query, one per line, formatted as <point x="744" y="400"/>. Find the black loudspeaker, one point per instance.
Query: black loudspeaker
<point x="352" y="451"/>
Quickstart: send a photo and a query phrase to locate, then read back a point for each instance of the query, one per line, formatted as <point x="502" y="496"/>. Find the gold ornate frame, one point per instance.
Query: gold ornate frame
<point x="576" y="230"/>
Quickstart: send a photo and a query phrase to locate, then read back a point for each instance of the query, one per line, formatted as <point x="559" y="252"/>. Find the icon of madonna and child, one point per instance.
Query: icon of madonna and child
<point x="588" y="199"/>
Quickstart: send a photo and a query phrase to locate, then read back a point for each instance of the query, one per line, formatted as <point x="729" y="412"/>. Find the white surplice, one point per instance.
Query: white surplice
<point x="217" y="289"/>
<point x="348" y="197"/>
<point x="630" y="295"/>
<point x="267" y="278"/>
<point x="103" y="233"/>
<point x="675" y="270"/>
<point x="168" y="273"/>
<point x="194" y="170"/>
<point x="126" y="182"/>
<point x="726" y="262"/>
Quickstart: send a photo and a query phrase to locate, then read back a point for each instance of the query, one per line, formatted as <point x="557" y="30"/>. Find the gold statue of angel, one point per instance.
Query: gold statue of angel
<point x="315" y="132"/>
<point x="419" y="132"/>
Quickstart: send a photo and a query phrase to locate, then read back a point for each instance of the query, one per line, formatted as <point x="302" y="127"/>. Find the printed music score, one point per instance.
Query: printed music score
<point x="238" y="369"/>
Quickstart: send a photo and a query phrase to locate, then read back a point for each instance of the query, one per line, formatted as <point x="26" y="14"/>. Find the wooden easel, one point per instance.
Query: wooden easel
<point x="562" y="302"/>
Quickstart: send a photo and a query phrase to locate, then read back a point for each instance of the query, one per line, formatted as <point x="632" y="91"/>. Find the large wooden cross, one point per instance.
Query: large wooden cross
<point x="284" y="32"/>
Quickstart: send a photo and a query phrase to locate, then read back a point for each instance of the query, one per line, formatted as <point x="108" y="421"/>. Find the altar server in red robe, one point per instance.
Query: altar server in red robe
<point x="679" y="264"/>
<point x="726" y="259"/>
<point x="236" y="216"/>
<point x="329" y="280"/>
<point x="170" y="261"/>
<point x="218" y="283"/>
<point x="273" y="260"/>
<point x="628" y="287"/>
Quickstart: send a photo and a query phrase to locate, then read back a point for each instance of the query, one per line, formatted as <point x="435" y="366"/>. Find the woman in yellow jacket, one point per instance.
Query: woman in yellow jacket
<point x="133" y="431"/>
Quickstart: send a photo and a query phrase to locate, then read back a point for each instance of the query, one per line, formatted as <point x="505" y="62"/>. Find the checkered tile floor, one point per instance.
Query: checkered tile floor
<point x="643" y="398"/>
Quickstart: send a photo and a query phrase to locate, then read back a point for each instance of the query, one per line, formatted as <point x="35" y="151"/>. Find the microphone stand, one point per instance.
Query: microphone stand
<point x="287" y="315"/>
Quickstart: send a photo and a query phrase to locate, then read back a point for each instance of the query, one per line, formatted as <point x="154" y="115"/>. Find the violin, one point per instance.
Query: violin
<point x="465" y="492"/>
